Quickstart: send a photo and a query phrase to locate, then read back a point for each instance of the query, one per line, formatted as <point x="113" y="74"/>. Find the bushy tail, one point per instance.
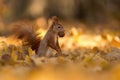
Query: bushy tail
<point x="28" y="35"/>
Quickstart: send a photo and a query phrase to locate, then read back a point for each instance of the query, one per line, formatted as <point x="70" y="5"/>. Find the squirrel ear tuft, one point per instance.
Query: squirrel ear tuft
<point x="55" y="19"/>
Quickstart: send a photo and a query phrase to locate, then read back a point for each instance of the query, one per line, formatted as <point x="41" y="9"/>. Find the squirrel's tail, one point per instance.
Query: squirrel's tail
<point x="28" y="35"/>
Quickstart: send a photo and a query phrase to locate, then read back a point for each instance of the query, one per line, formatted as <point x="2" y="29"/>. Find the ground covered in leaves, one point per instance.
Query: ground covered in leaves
<point x="93" y="54"/>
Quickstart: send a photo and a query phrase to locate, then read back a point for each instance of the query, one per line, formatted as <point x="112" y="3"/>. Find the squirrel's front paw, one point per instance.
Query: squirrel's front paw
<point x="40" y="55"/>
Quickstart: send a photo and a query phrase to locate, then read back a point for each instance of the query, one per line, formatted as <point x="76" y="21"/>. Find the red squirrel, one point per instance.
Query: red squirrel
<point x="49" y="40"/>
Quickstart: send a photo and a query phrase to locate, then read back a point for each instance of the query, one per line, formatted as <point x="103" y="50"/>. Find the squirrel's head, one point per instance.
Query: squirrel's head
<point x="57" y="27"/>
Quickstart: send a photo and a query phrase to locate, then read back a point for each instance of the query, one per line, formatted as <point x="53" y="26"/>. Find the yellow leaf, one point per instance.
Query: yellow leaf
<point x="27" y="58"/>
<point x="61" y="59"/>
<point x="13" y="55"/>
<point x="31" y="52"/>
<point x="74" y="31"/>
<point x="89" y="57"/>
<point x="21" y="50"/>
<point x="104" y="64"/>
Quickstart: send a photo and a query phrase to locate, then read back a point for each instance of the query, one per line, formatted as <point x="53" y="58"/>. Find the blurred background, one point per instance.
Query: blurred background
<point x="87" y="11"/>
<point x="92" y="35"/>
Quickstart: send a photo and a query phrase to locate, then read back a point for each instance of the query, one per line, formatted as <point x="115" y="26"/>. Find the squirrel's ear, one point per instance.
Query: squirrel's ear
<point x="55" y="19"/>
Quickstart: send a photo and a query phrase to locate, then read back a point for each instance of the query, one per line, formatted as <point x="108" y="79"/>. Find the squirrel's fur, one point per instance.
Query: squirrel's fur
<point x="28" y="35"/>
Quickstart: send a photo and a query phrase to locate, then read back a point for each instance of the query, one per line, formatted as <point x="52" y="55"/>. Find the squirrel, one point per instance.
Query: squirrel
<point x="49" y="40"/>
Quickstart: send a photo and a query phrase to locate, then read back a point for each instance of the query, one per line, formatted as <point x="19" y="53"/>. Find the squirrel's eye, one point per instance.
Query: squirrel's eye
<point x="58" y="26"/>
